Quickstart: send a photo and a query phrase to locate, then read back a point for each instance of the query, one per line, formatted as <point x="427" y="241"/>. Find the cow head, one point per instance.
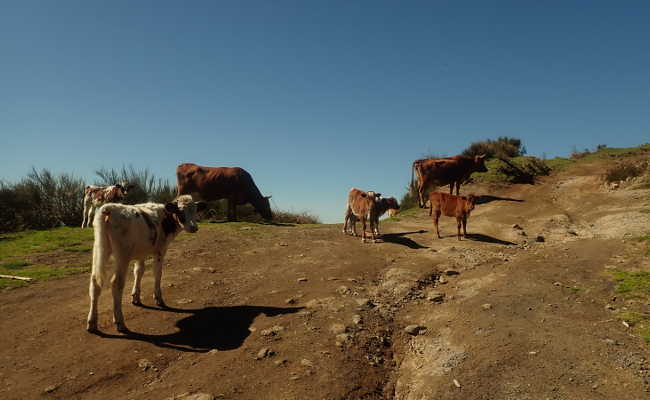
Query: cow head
<point x="471" y="202"/>
<point x="264" y="208"/>
<point x="185" y="211"/>
<point x="479" y="163"/>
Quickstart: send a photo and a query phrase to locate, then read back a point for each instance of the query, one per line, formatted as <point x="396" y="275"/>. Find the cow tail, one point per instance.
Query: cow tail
<point x="101" y="248"/>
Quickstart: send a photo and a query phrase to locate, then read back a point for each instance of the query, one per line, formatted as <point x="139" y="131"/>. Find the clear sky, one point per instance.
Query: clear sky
<point x="314" y="97"/>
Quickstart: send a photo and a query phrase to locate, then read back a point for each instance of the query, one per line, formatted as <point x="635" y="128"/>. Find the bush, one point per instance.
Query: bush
<point x="503" y="147"/>
<point x="218" y="211"/>
<point x="146" y="186"/>
<point x="623" y="171"/>
<point x="42" y="200"/>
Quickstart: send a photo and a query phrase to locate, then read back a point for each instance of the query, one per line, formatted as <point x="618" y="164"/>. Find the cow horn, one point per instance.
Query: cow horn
<point x="268" y="197"/>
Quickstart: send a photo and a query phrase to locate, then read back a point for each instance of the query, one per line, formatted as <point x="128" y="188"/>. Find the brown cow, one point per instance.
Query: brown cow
<point x="214" y="183"/>
<point x="451" y="206"/>
<point x="96" y="196"/>
<point x="362" y="206"/>
<point x="445" y="171"/>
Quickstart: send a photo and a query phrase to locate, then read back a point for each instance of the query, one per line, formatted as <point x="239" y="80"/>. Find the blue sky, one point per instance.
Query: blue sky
<point x="313" y="98"/>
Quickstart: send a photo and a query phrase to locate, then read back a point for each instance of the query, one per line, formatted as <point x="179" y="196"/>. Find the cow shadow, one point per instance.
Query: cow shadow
<point x="206" y="329"/>
<point x="484" y="199"/>
<point x="398" y="238"/>
<point x="479" y="237"/>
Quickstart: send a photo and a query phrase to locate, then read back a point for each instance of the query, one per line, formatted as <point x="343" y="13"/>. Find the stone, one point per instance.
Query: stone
<point x="194" y="396"/>
<point x="279" y="363"/>
<point x="610" y="307"/>
<point x="356" y="319"/>
<point x="272" y="331"/>
<point x="540" y="238"/>
<point x="307" y="363"/>
<point x="435" y="296"/>
<point x="145" y="364"/>
<point x="442" y="280"/>
<point x="342" y="338"/>
<point x="517" y="226"/>
<point x="338" y="329"/>
<point x="263" y="353"/>
<point x="51" y="388"/>
<point x="450" y="272"/>
<point x="487" y="306"/>
<point x="303" y="279"/>
<point x="290" y="300"/>
<point x="413" y="329"/>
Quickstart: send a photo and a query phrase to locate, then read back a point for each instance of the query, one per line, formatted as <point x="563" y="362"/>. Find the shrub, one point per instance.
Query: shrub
<point x="147" y="187"/>
<point x="622" y="171"/>
<point x="503" y="147"/>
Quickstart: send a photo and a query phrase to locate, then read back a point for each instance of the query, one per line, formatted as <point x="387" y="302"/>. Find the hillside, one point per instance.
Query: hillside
<point x="546" y="299"/>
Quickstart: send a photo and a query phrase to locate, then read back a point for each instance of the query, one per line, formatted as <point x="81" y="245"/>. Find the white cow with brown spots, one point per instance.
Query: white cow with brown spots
<point x="96" y="196"/>
<point x="125" y="233"/>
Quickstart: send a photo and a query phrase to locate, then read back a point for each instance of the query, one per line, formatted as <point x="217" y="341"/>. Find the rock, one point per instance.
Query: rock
<point x="51" y="388"/>
<point x="279" y="363"/>
<point x="290" y="300"/>
<point x="540" y="238"/>
<point x="363" y="302"/>
<point x="282" y="244"/>
<point x="486" y="306"/>
<point x="145" y="364"/>
<point x="263" y="353"/>
<point x="343" y="290"/>
<point x="194" y="396"/>
<point x="184" y="301"/>
<point x="338" y="329"/>
<point x="610" y="342"/>
<point x="450" y="272"/>
<point x="305" y="362"/>
<point x="272" y="331"/>
<point x="610" y="307"/>
<point x="303" y="279"/>
<point x="442" y="280"/>
<point x="557" y="284"/>
<point x="435" y="296"/>
<point x="342" y="338"/>
<point x="516" y="226"/>
<point x="356" y="319"/>
<point x="414" y="329"/>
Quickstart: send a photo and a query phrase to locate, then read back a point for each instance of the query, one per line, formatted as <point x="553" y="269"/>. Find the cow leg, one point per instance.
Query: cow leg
<point x="373" y="229"/>
<point x="83" y="220"/>
<point x="436" y="219"/>
<point x="94" y="291"/>
<point x="347" y="220"/>
<point x="232" y="210"/>
<point x="121" y="266"/>
<point x="459" y="221"/>
<point x="157" y="273"/>
<point x="421" y="196"/>
<point x="138" y="271"/>
<point x="464" y="225"/>
<point x="91" y="215"/>
<point x="451" y="188"/>
<point x="457" y="188"/>
<point x="363" y="230"/>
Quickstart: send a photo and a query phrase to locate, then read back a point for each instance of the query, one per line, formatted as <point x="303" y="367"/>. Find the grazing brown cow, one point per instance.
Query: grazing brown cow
<point x="362" y="206"/>
<point x="389" y="204"/>
<point x="96" y="196"/>
<point x="451" y="206"/>
<point x="214" y="183"/>
<point x="445" y="171"/>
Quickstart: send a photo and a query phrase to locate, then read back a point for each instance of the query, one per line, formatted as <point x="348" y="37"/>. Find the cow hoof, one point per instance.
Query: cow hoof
<point x="92" y="327"/>
<point x="161" y="304"/>
<point x="136" y="302"/>
<point x="122" y="328"/>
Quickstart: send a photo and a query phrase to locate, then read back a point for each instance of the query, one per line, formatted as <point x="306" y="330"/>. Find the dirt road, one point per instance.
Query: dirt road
<point x="295" y="312"/>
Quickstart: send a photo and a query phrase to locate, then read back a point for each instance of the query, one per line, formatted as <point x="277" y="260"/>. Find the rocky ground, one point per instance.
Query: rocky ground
<point x="524" y="308"/>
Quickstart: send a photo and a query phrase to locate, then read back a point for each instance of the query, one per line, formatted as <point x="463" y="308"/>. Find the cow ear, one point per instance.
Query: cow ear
<point x="201" y="206"/>
<point x="172" y="207"/>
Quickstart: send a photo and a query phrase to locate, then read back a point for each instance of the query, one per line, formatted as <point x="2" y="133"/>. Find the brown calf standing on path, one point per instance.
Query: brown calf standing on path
<point x="452" y="206"/>
<point x="363" y="206"/>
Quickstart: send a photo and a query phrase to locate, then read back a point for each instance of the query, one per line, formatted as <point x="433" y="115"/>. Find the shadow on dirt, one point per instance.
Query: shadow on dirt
<point x="487" y="239"/>
<point x="484" y="199"/>
<point x="205" y="329"/>
<point x="398" y="238"/>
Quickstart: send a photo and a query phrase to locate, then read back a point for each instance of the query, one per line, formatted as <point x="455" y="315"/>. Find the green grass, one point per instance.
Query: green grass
<point x="14" y="265"/>
<point x="635" y="285"/>
<point x="37" y="272"/>
<point x="646" y="238"/>
<point x="632" y="282"/>
<point x="22" y="244"/>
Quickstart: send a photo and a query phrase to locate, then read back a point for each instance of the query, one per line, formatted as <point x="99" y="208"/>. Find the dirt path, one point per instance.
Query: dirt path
<point x="267" y="312"/>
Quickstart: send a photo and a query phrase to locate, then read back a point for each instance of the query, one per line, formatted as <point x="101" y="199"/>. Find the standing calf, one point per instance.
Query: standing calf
<point x="451" y="206"/>
<point x="96" y="196"/>
<point x="128" y="233"/>
<point x="389" y="204"/>
<point x="362" y="206"/>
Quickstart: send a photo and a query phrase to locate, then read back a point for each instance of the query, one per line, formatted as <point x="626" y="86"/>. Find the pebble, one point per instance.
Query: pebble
<point x="264" y="352"/>
<point x="194" y="396"/>
<point x="516" y="226"/>
<point x="290" y="300"/>
<point x="145" y="364"/>
<point x="442" y="280"/>
<point x="610" y="307"/>
<point x="540" y="238"/>
<point x="414" y="329"/>
<point x="303" y="279"/>
<point x="342" y="338"/>
<point x="450" y="272"/>
<point x="487" y="306"/>
<point x="435" y="296"/>
<point x="356" y="319"/>
<point x="338" y="329"/>
<point x="279" y="363"/>
<point x="51" y="388"/>
<point x="305" y="362"/>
